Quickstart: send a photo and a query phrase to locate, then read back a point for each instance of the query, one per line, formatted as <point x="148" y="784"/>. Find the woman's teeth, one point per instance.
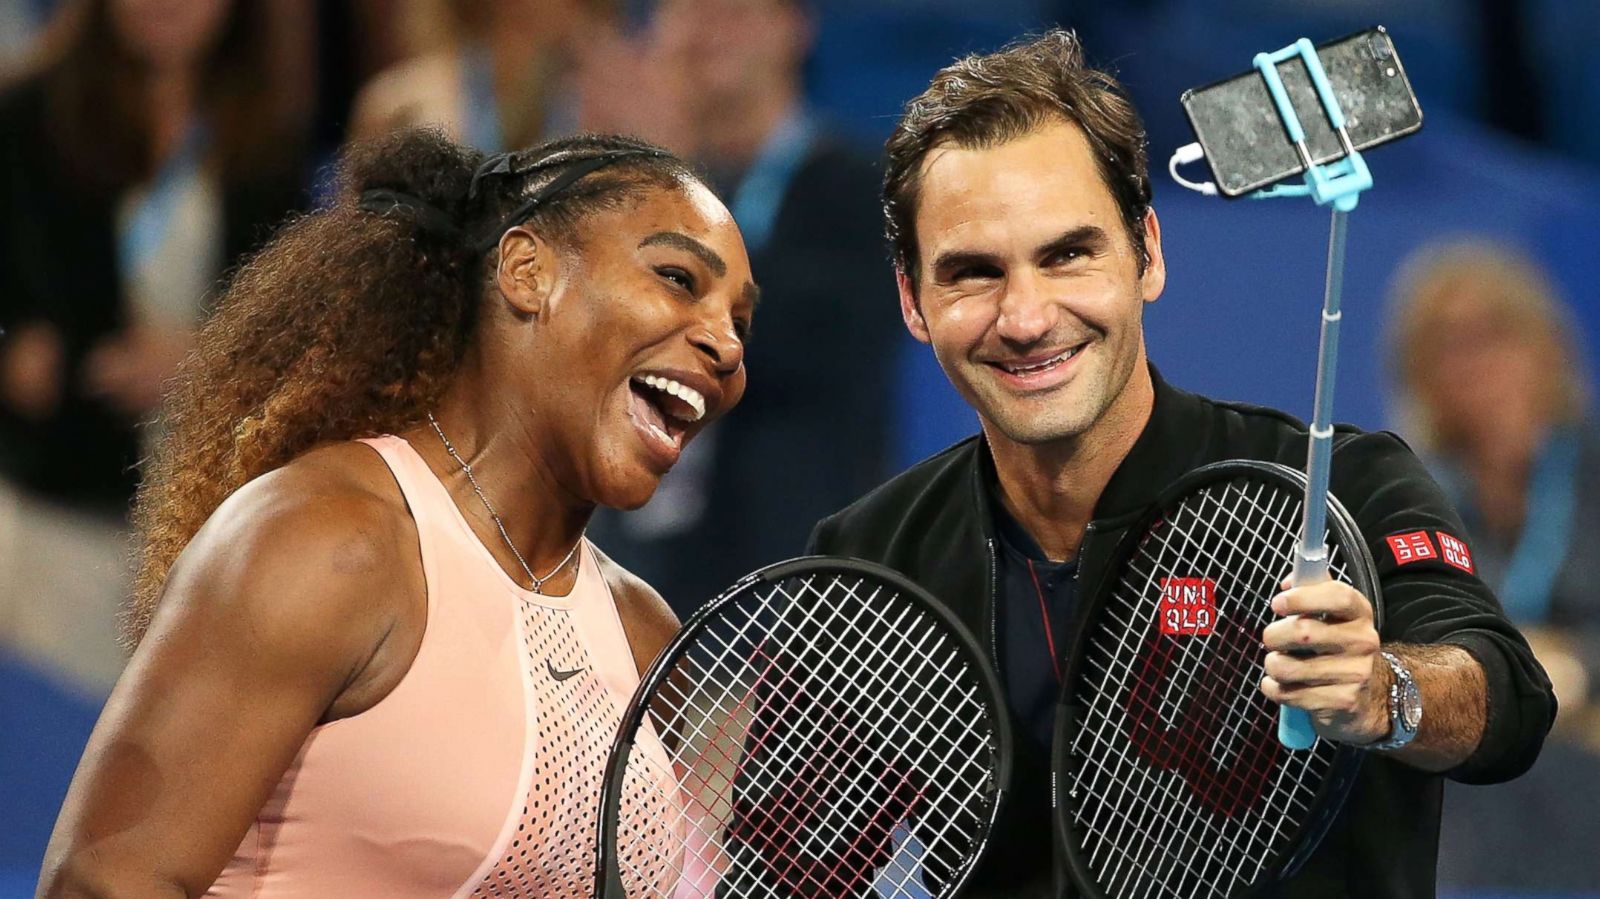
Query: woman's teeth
<point x="684" y="392"/>
<point x="1041" y="366"/>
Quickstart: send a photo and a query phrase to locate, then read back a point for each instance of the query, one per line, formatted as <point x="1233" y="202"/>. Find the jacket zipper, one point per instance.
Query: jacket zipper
<point x="1078" y="598"/>
<point x="994" y="599"/>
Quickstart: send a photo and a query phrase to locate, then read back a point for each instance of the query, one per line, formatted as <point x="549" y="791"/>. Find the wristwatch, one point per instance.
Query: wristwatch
<point x="1405" y="706"/>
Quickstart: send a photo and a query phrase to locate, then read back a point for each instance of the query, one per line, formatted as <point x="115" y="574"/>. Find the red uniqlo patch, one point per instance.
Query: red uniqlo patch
<point x="1412" y="547"/>
<point x="1188" y="605"/>
<point x="1455" y="552"/>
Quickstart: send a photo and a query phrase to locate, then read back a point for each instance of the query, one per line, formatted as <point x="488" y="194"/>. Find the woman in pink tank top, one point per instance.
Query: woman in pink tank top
<point x="374" y="655"/>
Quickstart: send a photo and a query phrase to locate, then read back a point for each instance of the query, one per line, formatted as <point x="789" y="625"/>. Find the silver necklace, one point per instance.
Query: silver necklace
<point x="538" y="582"/>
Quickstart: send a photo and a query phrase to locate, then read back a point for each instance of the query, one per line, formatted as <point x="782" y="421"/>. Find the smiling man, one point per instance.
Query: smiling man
<point x="1018" y="205"/>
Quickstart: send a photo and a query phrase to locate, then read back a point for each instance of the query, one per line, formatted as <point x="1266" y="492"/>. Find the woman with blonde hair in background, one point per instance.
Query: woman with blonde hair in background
<point x="1494" y="392"/>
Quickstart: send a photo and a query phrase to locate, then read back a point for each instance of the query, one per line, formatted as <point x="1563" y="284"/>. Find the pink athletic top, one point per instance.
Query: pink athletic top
<point x="479" y="774"/>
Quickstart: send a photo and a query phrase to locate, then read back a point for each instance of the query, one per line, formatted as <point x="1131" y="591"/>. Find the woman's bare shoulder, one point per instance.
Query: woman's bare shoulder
<point x="646" y="618"/>
<point x="339" y="498"/>
<point x="273" y="620"/>
<point x="317" y="557"/>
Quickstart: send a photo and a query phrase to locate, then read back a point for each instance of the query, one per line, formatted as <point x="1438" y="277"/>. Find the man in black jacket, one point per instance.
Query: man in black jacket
<point x="1018" y="205"/>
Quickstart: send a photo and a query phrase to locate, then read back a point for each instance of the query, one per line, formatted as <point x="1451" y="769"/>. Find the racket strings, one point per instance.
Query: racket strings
<point x="1167" y="790"/>
<point x="685" y="706"/>
<point x="1178" y="785"/>
<point x="1140" y="823"/>
<point x="719" y="750"/>
<point x="1261" y="738"/>
<point x="1252" y="691"/>
<point x="911" y="680"/>
<point x="689" y="703"/>
<point x="802" y="735"/>
<point x="692" y="784"/>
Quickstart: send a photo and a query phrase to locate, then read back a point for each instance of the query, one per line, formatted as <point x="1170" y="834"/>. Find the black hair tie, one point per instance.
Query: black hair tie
<point x="430" y="219"/>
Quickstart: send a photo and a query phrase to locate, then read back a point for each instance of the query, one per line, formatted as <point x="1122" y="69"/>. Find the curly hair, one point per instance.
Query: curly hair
<point x="351" y="323"/>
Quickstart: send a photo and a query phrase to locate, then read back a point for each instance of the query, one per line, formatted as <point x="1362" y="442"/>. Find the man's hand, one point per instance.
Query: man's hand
<point x="1323" y="657"/>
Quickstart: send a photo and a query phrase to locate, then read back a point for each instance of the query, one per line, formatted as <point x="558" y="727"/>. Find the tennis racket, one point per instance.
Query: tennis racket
<point x="824" y="728"/>
<point x="1170" y="779"/>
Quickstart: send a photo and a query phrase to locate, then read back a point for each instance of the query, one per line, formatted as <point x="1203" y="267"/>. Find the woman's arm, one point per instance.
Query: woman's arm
<point x="275" y="618"/>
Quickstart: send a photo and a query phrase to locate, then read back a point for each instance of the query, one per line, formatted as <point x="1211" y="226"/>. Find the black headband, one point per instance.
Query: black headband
<point x="505" y="164"/>
<point x="430" y="218"/>
<point x="433" y="220"/>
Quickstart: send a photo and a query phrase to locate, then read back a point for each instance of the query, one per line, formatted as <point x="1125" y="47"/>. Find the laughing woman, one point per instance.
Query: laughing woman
<point x="374" y="653"/>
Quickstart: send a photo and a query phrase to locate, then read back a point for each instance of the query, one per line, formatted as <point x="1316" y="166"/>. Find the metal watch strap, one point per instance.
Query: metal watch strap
<point x="1399" y="734"/>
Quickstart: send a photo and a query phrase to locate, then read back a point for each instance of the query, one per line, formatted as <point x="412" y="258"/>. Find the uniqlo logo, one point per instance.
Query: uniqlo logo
<point x="1412" y="547"/>
<point x="1455" y="552"/>
<point x="1188" y="606"/>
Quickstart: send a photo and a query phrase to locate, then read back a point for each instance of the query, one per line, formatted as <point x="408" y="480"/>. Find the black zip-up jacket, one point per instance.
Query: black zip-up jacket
<point x="935" y="524"/>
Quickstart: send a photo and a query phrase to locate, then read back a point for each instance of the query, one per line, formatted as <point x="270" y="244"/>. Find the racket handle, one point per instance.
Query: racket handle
<point x="1294" y="728"/>
<point x="1294" y="725"/>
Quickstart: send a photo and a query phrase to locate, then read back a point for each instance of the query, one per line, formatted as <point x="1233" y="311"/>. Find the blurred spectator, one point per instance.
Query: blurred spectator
<point x="493" y="75"/>
<point x="19" y="25"/>
<point x="812" y="432"/>
<point x="148" y="150"/>
<point x="1494" y="392"/>
<point x="351" y="42"/>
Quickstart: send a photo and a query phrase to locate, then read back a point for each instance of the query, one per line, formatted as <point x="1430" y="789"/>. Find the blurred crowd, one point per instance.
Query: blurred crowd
<point x="1495" y="392"/>
<point x="146" y="146"/>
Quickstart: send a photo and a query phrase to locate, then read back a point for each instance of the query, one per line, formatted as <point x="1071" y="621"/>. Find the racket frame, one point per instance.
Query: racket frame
<point x="1335" y="788"/>
<point x="608" y="876"/>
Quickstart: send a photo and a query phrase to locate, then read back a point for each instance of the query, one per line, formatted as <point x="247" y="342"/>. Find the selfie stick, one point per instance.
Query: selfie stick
<point x="1338" y="184"/>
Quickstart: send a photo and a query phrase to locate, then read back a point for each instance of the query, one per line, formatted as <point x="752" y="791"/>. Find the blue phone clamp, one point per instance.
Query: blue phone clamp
<point x="1339" y="182"/>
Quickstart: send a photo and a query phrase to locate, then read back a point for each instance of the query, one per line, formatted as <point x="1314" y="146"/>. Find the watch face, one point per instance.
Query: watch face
<point x="1411" y="706"/>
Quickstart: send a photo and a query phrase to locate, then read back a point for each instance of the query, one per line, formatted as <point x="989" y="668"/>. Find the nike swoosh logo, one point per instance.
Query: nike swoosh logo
<point x="560" y="675"/>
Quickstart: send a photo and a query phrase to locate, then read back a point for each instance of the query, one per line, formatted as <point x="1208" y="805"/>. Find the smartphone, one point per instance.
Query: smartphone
<point x="1245" y="141"/>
